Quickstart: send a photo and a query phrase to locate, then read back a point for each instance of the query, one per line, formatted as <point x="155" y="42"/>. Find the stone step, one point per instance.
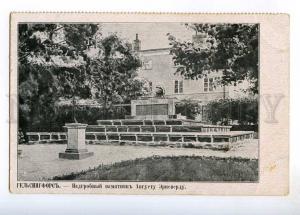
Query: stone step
<point x="207" y="140"/>
<point x="149" y="122"/>
<point x="233" y="136"/>
<point x="157" y="128"/>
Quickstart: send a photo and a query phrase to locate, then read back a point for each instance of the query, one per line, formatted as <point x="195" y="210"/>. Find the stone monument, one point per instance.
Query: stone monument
<point x="153" y="108"/>
<point x="76" y="148"/>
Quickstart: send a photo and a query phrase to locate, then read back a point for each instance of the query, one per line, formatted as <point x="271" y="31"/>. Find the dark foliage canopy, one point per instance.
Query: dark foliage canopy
<point x="71" y="62"/>
<point x="232" y="48"/>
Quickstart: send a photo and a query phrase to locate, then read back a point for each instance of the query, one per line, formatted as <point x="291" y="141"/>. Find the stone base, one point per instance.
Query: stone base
<point x="75" y="155"/>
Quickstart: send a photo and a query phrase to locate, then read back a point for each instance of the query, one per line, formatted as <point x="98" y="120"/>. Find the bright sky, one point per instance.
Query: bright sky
<point x="152" y="35"/>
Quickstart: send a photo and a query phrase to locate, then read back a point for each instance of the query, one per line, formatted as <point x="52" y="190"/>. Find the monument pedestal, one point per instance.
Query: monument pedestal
<point x="76" y="148"/>
<point x="153" y="108"/>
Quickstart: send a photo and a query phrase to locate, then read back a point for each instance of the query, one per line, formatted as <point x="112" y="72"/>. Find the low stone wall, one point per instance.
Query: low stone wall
<point x="157" y="128"/>
<point x="149" y="122"/>
<point x="197" y="145"/>
<point x="218" y="141"/>
<point x="214" y="142"/>
<point x="95" y="137"/>
<point x="47" y="137"/>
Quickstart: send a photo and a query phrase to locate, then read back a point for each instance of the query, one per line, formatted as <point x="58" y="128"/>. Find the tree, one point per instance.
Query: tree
<point x="52" y="63"/>
<point x="232" y="48"/>
<point x="114" y="71"/>
<point x="72" y="62"/>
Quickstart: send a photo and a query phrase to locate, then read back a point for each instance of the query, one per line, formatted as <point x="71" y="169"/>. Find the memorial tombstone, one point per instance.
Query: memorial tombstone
<point x="76" y="148"/>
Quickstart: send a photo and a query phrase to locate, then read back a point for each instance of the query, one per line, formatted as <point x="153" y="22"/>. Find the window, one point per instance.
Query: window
<point x="205" y="84"/>
<point x="178" y="87"/>
<point x="210" y="84"/>
<point x="147" y="64"/>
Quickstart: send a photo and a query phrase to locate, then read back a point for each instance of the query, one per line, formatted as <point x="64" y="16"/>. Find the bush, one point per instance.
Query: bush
<point x="64" y="114"/>
<point x="222" y="111"/>
<point x="244" y="128"/>
<point x="188" y="108"/>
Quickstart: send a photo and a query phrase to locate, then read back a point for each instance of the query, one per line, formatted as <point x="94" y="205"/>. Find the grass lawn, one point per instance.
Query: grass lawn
<point x="171" y="168"/>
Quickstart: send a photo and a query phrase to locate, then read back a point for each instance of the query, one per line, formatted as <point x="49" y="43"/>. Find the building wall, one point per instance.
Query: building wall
<point x="158" y="68"/>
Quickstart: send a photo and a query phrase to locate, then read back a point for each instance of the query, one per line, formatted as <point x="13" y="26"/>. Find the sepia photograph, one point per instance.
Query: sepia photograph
<point x="138" y="102"/>
<point x="149" y="104"/>
<point x="142" y="107"/>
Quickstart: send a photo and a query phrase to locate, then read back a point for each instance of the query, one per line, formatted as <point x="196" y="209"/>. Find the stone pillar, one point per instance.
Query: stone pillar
<point x="76" y="148"/>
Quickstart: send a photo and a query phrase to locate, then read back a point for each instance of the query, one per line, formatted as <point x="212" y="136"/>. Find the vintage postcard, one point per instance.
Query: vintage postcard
<point x="145" y="103"/>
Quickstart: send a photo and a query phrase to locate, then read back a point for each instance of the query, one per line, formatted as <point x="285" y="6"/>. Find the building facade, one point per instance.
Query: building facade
<point x="159" y="70"/>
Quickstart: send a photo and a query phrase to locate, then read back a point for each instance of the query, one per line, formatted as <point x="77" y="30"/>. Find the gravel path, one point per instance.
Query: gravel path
<point x="41" y="162"/>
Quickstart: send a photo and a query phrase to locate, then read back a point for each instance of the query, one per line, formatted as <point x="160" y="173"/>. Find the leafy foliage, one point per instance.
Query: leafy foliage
<point x="84" y="114"/>
<point x="71" y="61"/>
<point x="188" y="108"/>
<point x="245" y="111"/>
<point x="232" y="48"/>
<point x="51" y="65"/>
<point x="114" y="72"/>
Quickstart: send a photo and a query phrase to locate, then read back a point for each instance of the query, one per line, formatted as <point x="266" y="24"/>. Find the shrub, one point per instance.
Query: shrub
<point x="222" y="111"/>
<point x="188" y="108"/>
<point x="64" y="114"/>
